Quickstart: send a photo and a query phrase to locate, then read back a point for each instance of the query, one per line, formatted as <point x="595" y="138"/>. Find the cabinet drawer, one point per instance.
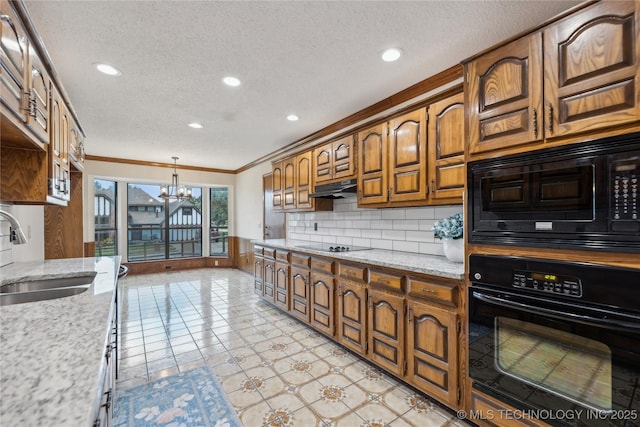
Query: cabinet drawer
<point x="282" y="255"/>
<point x="393" y="281"/>
<point x="443" y="292"/>
<point x="355" y="273"/>
<point x="270" y="253"/>
<point x="300" y="259"/>
<point x="258" y="250"/>
<point x="322" y="265"/>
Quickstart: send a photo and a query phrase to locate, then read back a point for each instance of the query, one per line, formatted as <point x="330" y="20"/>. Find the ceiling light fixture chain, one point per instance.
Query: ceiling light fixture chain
<point x="175" y="190"/>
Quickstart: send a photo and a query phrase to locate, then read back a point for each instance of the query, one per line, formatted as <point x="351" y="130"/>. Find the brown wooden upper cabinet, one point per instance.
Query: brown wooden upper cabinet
<point x="59" y="184"/>
<point x="39" y="97"/>
<point x="292" y="185"/>
<point x="392" y="161"/>
<point x="334" y="161"/>
<point x="303" y="181"/>
<point x="13" y="56"/>
<point x="577" y="75"/>
<point x="276" y="177"/>
<point x="446" y="150"/>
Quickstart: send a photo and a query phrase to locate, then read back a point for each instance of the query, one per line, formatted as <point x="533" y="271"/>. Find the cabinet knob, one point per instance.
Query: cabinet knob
<point x="550" y="117"/>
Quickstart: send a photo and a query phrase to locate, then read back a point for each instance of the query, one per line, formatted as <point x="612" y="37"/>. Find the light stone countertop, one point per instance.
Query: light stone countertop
<point x="417" y="263"/>
<point x="52" y="352"/>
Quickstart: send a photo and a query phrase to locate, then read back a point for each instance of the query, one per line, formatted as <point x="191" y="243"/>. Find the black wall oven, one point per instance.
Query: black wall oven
<point x="561" y="337"/>
<point x="585" y="196"/>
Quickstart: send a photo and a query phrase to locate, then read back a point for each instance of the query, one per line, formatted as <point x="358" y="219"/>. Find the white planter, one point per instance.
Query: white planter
<point x="453" y="249"/>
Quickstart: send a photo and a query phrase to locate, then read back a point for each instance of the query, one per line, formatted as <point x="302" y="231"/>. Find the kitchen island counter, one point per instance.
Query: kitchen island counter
<point x="52" y="353"/>
<point x="411" y="262"/>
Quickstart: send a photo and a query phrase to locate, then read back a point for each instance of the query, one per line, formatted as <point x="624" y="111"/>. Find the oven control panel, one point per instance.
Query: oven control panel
<point x="548" y="283"/>
<point x="625" y="194"/>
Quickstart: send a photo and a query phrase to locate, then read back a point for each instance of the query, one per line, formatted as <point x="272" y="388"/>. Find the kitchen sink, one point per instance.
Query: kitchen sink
<point x="22" y="297"/>
<point x="44" y="289"/>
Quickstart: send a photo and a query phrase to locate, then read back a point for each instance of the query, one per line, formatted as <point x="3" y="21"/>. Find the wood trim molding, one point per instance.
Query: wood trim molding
<point x="156" y="164"/>
<point x="431" y="83"/>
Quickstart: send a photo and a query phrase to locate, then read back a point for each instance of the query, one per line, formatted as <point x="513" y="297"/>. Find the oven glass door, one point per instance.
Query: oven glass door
<point x="537" y="354"/>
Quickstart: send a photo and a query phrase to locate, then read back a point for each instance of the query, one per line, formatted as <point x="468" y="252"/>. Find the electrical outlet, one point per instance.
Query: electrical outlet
<point x="216" y="263"/>
<point x="167" y="267"/>
<point x="315" y="226"/>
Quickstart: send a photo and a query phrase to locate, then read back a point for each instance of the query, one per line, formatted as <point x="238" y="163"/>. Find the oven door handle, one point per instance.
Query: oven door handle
<point x="619" y="325"/>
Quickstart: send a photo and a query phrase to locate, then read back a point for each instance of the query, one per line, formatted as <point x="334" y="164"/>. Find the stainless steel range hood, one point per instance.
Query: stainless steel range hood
<point x="335" y="190"/>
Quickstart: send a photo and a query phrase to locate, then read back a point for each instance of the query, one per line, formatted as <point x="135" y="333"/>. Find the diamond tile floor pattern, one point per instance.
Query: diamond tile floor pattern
<point x="275" y="370"/>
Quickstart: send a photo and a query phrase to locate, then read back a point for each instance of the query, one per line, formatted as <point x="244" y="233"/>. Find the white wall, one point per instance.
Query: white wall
<point x="249" y="201"/>
<point x="31" y="220"/>
<point x="400" y="229"/>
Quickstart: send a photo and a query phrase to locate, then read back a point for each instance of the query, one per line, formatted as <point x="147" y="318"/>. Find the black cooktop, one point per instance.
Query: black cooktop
<point x="328" y="247"/>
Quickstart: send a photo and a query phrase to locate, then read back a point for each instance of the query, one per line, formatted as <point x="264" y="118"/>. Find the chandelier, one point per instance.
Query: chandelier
<point x="175" y="190"/>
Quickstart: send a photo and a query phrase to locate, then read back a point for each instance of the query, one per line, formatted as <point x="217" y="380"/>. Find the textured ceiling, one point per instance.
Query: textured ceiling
<point x="318" y="59"/>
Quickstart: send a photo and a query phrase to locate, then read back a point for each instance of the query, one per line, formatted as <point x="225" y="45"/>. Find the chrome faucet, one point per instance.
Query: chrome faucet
<point x="17" y="236"/>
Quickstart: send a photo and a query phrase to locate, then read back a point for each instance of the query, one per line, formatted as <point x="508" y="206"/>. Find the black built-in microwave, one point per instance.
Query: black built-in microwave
<point x="582" y="196"/>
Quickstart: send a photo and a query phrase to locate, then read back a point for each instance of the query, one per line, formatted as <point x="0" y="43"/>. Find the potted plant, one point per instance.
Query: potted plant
<point x="450" y="231"/>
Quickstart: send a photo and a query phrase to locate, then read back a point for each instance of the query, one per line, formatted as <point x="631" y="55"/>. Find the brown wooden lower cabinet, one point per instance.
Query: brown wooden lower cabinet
<point x="432" y="350"/>
<point x="322" y="302"/>
<point x="352" y="316"/>
<point x="487" y="411"/>
<point x="257" y="274"/>
<point x="281" y="284"/>
<point x="406" y="324"/>
<point x="386" y="330"/>
<point x="300" y="293"/>
<point x="268" y="280"/>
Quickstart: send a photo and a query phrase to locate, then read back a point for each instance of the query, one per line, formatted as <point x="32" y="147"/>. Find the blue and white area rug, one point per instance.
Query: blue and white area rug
<point x="192" y="398"/>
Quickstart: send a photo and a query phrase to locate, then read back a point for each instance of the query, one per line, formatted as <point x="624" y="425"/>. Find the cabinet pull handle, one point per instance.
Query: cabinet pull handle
<point x="433" y="186"/>
<point x="550" y="117"/>
<point x="429" y="291"/>
<point x="535" y="123"/>
<point x="409" y="314"/>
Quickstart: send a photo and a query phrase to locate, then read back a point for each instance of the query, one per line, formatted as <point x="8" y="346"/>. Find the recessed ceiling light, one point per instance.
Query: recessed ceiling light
<point x="391" y="55"/>
<point x="107" y="69"/>
<point x="195" y="125"/>
<point x="293" y="118"/>
<point x="231" y="81"/>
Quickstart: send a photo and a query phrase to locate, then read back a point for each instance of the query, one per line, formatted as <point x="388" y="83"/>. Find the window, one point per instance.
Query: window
<point x="104" y="209"/>
<point x="162" y="229"/>
<point x="219" y="227"/>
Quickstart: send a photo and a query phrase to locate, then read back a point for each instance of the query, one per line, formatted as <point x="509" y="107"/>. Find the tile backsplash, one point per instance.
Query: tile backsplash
<point x="400" y="229"/>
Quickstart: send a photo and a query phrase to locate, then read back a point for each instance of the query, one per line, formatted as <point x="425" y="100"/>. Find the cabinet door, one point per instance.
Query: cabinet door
<point x="282" y="285"/>
<point x="300" y="293"/>
<point x="277" y="178"/>
<point x="13" y="57"/>
<point x="408" y="157"/>
<point x="303" y="181"/>
<point x="76" y="147"/>
<point x="343" y="166"/>
<point x="372" y="165"/>
<point x="322" y="163"/>
<point x="56" y="167"/>
<point x="322" y="303"/>
<point x="386" y="330"/>
<point x="39" y="97"/>
<point x="351" y="318"/>
<point x="257" y="275"/>
<point x="504" y="96"/>
<point x="268" y="280"/>
<point x="591" y="69"/>
<point x="446" y="148"/>
<point x="432" y="351"/>
<point x="289" y="183"/>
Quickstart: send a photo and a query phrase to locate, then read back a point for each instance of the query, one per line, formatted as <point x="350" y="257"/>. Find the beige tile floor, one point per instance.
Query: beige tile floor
<point x="275" y="370"/>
